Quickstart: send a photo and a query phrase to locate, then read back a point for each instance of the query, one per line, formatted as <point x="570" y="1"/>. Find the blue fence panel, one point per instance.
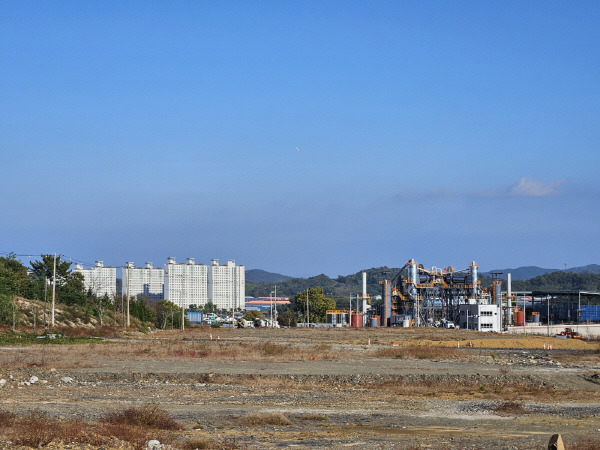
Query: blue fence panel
<point x="590" y="313"/>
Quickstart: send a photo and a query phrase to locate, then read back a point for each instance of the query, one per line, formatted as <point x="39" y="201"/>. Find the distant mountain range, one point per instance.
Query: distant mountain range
<point x="527" y="272"/>
<point x="260" y="282"/>
<point x="262" y="276"/>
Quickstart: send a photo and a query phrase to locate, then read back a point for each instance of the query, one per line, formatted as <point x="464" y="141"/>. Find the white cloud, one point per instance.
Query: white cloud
<point x="528" y="187"/>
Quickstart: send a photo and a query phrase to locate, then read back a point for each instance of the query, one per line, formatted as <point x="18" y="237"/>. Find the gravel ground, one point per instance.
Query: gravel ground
<point x="361" y="401"/>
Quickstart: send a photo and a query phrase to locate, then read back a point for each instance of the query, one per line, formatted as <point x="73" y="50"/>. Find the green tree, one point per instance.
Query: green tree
<point x="287" y="319"/>
<point x="168" y="314"/>
<point x="100" y="304"/>
<point x="13" y="276"/>
<point x="141" y="309"/>
<point x="251" y="315"/>
<point x="6" y="308"/>
<point x="69" y="286"/>
<point x="209" y="307"/>
<point x="318" y="304"/>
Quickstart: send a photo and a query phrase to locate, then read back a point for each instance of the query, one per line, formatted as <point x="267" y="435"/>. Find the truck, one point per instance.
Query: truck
<point x="241" y="323"/>
<point x="449" y="324"/>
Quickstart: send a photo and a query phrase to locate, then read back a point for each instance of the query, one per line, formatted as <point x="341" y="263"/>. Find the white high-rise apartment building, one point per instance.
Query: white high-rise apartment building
<point x="227" y="285"/>
<point x="143" y="281"/>
<point x="99" y="279"/>
<point x="186" y="284"/>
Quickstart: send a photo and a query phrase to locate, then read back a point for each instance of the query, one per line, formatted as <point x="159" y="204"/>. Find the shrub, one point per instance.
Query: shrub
<point x="149" y="416"/>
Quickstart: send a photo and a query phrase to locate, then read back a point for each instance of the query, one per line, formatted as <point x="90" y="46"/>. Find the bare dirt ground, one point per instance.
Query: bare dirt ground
<point x="383" y="388"/>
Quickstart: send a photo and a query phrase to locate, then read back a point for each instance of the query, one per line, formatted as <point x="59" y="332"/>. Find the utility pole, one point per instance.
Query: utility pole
<point x="127" y="273"/>
<point x="271" y="309"/>
<point x="350" y="312"/>
<point x="307" y="313"/>
<point x="45" y="301"/>
<point x="53" y="291"/>
<point x="275" y="304"/>
<point x="548" y="319"/>
<point x="182" y="317"/>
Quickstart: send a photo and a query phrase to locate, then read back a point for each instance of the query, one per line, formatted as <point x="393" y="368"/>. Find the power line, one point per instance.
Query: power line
<point x="63" y="257"/>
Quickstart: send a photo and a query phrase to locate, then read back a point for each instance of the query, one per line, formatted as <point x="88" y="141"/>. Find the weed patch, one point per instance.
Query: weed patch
<point x="417" y="352"/>
<point x="149" y="416"/>
<point x="262" y="419"/>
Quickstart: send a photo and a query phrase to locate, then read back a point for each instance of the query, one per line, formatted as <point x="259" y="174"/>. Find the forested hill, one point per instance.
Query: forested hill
<point x="560" y="281"/>
<point x="344" y="286"/>
<point x="262" y="276"/>
<point x="527" y="272"/>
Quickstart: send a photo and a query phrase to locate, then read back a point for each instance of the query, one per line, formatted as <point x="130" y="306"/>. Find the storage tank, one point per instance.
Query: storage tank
<point x="535" y="317"/>
<point x="374" y="321"/>
<point x="357" y="320"/>
<point x="520" y="318"/>
<point x="405" y="323"/>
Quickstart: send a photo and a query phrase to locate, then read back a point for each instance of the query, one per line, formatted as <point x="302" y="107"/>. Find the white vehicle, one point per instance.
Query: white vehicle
<point x="241" y="323"/>
<point x="449" y="324"/>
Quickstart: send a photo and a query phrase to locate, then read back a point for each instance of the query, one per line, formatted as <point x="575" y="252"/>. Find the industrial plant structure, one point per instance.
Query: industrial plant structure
<point x="436" y="296"/>
<point x="454" y="298"/>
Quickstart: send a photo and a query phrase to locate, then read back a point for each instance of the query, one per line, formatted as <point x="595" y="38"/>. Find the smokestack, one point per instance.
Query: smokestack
<point x="386" y="291"/>
<point x="364" y="293"/>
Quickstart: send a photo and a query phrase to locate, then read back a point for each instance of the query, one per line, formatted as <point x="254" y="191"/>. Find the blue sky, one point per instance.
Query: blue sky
<point x="441" y="131"/>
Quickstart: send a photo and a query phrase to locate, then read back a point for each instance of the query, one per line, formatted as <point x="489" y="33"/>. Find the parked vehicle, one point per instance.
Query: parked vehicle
<point x="571" y="333"/>
<point x="241" y="323"/>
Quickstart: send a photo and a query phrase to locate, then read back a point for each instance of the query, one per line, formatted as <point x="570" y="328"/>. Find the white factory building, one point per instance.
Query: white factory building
<point x="227" y="285"/>
<point x="99" y="279"/>
<point x="480" y="317"/>
<point x="143" y="281"/>
<point x="186" y="284"/>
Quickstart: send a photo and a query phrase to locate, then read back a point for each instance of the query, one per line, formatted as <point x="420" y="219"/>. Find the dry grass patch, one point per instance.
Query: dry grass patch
<point x="416" y="352"/>
<point x="510" y="409"/>
<point x="37" y="429"/>
<point x="134" y="425"/>
<point x="263" y="419"/>
<point x="471" y="389"/>
<point x="6" y="419"/>
<point x="585" y="444"/>
<point x="313" y="417"/>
